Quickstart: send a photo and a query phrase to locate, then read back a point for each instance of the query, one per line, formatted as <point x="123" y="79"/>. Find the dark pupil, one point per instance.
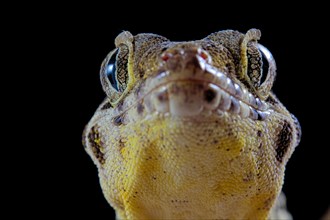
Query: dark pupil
<point x="265" y="67"/>
<point x="111" y="70"/>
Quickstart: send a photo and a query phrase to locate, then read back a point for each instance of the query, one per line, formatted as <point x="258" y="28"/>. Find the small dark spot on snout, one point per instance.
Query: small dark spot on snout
<point x="118" y="120"/>
<point x="162" y="97"/>
<point x="209" y="95"/>
<point x="138" y="90"/>
<point x="120" y="106"/>
<point x="140" y="108"/>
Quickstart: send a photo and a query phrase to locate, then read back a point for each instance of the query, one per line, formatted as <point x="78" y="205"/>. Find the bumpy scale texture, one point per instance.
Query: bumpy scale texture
<point x="189" y="131"/>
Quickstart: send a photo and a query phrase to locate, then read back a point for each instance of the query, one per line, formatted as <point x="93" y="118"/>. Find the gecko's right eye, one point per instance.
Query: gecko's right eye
<point x="110" y="70"/>
<point x="115" y="68"/>
<point x="114" y="73"/>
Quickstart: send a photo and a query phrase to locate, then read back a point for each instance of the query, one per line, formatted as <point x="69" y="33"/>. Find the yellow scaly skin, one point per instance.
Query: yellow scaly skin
<point x="162" y="153"/>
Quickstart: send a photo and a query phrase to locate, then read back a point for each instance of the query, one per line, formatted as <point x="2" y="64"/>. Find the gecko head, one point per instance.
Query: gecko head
<point x="209" y="77"/>
<point x="223" y="80"/>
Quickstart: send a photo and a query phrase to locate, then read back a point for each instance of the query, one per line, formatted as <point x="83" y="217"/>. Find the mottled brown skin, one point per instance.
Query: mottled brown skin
<point x="167" y="147"/>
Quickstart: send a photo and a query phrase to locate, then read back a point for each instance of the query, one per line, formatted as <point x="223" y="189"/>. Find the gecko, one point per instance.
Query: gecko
<point x="191" y="130"/>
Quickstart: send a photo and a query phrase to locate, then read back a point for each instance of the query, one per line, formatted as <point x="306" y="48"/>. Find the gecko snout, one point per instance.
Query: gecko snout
<point x="191" y="57"/>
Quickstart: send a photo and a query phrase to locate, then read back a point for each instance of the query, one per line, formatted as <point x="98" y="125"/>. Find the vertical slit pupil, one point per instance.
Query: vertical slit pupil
<point x="111" y="70"/>
<point x="265" y="66"/>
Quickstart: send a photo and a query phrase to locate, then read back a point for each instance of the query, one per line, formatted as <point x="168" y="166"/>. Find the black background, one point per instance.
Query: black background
<point x="73" y="41"/>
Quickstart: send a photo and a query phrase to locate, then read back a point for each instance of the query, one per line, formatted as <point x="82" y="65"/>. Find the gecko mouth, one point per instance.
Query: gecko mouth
<point x="202" y="93"/>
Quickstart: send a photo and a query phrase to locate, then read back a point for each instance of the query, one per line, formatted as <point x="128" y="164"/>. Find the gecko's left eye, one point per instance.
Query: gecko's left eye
<point x="268" y="71"/>
<point x="261" y="68"/>
<point x="267" y="62"/>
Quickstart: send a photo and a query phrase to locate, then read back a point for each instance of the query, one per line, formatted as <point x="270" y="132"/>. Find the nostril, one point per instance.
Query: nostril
<point x="166" y="56"/>
<point x="203" y="54"/>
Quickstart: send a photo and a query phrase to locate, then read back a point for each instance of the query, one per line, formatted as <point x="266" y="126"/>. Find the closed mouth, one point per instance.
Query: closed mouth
<point x="208" y="91"/>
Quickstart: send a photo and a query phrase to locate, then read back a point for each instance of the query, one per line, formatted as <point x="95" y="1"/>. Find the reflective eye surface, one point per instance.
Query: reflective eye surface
<point x="114" y="73"/>
<point x="111" y="70"/>
<point x="265" y="52"/>
<point x="265" y="66"/>
<point x="269" y="72"/>
<point x="267" y="62"/>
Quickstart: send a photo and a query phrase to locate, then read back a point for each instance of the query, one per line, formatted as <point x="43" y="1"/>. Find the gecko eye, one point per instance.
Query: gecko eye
<point x="267" y="61"/>
<point x="255" y="64"/>
<point x="110" y="70"/>
<point x="268" y="71"/>
<point x="114" y="72"/>
<point x="261" y="68"/>
<point x="116" y="68"/>
<point x="264" y="66"/>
